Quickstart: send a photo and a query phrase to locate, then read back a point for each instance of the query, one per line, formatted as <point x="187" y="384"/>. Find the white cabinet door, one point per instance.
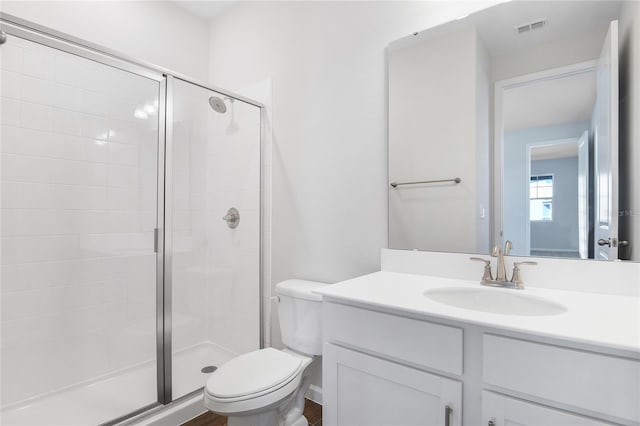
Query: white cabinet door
<point x="505" y="411"/>
<point x="362" y="390"/>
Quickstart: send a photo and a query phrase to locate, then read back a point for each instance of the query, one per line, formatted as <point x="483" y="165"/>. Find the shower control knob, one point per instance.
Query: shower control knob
<point x="232" y="218"/>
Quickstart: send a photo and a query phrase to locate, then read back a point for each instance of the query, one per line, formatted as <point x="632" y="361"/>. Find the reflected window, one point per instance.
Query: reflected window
<point x="541" y="197"/>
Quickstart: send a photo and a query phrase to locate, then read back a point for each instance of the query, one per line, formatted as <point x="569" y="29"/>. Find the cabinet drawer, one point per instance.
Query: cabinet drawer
<point x="504" y="411"/>
<point x="422" y="343"/>
<point x="594" y="382"/>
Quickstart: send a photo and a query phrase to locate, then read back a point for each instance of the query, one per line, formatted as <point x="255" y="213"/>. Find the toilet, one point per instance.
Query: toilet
<point x="267" y="387"/>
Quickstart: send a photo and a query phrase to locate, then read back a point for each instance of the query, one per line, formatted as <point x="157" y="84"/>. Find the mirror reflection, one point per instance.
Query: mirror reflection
<point x="513" y="124"/>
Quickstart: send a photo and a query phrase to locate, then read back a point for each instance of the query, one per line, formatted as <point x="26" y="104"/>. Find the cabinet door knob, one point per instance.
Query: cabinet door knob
<point x="448" y="411"/>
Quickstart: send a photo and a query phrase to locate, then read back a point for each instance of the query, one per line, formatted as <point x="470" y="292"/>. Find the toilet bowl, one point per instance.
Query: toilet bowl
<point x="267" y="387"/>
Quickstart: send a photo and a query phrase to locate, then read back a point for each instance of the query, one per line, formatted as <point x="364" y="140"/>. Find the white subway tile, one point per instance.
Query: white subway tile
<point x="124" y="176"/>
<point x="9" y="111"/>
<point x="11" y="57"/>
<point x="66" y="122"/>
<point x="37" y="90"/>
<point x="16" y="222"/>
<point x="38" y="61"/>
<point x="94" y="103"/>
<point x="67" y="68"/>
<point x="67" y="97"/>
<point x="10" y="280"/>
<point x="42" y="195"/>
<point x="97" y="150"/>
<point x="77" y="271"/>
<point x="94" y="127"/>
<point x="123" y="154"/>
<point x="35" y="116"/>
<point x="22" y="168"/>
<point x="8" y="138"/>
<point x="10" y="84"/>
<point x="41" y="249"/>
<point x="121" y="131"/>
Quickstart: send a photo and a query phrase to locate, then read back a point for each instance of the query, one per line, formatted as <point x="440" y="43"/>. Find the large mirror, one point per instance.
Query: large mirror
<point x="515" y="123"/>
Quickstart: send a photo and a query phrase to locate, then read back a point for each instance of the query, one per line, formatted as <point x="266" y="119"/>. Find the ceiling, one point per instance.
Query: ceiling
<point x="205" y="9"/>
<point x="496" y="26"/>
<point x="549" y="102"/>
<point x="564" y="19"/>
<point x="554" y="151"/>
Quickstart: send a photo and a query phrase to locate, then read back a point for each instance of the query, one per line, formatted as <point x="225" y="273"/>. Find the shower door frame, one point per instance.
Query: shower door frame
<point x="40" y="34"/>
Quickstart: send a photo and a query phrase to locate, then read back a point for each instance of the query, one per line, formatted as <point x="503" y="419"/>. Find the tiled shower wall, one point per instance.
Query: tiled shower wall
<point x="233" y="180"/>
<point x="79" y="171"/>
<point x="189" y="242"/>
<point x="216" y="165"/>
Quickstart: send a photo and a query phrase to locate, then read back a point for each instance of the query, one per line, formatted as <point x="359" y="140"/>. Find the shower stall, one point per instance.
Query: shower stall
<point x="130" y="227"/>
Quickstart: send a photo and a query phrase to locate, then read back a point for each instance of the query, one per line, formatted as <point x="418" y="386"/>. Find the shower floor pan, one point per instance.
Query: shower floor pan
<point x="117" y="395"/>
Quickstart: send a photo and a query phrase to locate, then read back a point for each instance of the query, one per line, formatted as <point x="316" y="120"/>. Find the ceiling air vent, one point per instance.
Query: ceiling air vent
<point x="531" y="26"/>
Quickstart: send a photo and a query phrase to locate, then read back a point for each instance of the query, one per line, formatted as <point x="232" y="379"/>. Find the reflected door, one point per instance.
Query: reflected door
<point x="606" y="148"/>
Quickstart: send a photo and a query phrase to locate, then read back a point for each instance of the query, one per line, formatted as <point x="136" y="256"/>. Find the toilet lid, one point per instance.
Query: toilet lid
<point x="251" y="373"/>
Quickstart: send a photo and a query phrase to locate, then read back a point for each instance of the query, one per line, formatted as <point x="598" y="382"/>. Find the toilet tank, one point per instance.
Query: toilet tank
<point x="299" y="312"/>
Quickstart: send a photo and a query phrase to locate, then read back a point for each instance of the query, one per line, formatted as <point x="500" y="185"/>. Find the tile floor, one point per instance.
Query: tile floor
<point x="312" y="411"/>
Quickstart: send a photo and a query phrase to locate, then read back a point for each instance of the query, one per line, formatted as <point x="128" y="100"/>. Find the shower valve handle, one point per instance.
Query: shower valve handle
<point x="232" y="218"/>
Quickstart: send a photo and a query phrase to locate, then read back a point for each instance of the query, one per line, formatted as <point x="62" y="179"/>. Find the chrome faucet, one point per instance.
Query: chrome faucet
<point x="501" y="274"/>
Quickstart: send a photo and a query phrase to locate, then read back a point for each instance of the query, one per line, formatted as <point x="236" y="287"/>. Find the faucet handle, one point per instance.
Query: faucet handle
<point x="524" y="262"/>
<point x="516" y="278"/>
<point x="487" y="275"/>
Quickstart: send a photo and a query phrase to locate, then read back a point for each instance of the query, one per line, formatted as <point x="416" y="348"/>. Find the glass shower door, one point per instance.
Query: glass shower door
<point x="79" y="207"/>
<point x="214" y="152"/>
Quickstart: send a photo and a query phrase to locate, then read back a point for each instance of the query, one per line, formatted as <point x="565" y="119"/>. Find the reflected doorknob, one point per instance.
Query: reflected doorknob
<point x="603" y="242"/>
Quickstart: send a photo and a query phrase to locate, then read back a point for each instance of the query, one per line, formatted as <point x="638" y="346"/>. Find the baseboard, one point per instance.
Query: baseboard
<point x="315" y="394"/>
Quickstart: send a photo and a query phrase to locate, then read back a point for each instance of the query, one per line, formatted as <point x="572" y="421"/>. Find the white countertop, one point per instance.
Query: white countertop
<point x="596" y="319"/>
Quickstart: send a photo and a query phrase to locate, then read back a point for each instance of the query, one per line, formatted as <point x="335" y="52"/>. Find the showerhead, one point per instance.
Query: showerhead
<point x="217" y="104"/>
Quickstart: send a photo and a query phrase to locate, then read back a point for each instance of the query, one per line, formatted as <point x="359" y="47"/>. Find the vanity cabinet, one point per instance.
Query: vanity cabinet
<point x="374" y="369"/>
<point x="367" y="390"/>
<point x="388" y="368"/>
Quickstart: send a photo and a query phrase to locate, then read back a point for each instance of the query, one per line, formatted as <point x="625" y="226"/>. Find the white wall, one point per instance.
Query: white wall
<point x="432" y="135"/>
<point x="328" y="123"/>
<point x="484" y="138"/>
<point x="327" y="64"/>
<point x="155" y="31"/>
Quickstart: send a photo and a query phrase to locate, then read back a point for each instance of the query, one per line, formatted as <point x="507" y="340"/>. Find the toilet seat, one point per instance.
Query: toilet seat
<point x="253" y="373"/>
<point x="255" y="380"/>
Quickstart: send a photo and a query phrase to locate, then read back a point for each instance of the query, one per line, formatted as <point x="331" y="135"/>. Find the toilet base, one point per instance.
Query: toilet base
<point x="302" y="421"/>
<point x="268" y="418"/>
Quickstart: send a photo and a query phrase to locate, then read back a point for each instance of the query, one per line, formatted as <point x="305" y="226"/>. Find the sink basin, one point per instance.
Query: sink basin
<point x="496" y="301"/>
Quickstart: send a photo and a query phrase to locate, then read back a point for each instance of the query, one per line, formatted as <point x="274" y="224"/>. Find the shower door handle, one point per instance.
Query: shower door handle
<point x="156" y="239"/>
